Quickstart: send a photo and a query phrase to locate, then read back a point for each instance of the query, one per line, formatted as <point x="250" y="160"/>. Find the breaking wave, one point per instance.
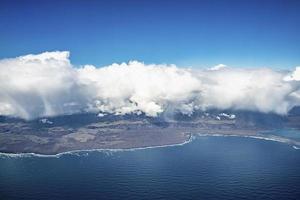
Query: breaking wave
<point x="293" y="143"/>
<point x="85" y="152"/>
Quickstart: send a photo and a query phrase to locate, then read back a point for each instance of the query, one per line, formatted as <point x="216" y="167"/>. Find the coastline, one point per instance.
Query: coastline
<point x="294" y="144"/>
<point x="273" y="138"/>
<point x="76" y="152"/>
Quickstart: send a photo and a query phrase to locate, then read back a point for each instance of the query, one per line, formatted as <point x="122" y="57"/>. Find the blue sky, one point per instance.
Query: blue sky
<point x="187" y="33"/>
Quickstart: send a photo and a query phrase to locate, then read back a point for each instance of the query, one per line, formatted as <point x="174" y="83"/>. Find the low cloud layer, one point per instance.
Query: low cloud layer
<point x="48" y="84"/>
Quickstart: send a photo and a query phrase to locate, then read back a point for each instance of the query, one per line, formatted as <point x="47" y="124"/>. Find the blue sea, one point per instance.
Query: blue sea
<point x="206" y="168"/>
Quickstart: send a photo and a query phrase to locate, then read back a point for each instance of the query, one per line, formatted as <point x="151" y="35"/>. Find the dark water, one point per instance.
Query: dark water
<point x="207" y="168"/>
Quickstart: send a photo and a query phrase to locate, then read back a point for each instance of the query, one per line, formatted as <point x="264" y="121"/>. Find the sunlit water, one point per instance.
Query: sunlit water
<point x="207" y="168"/>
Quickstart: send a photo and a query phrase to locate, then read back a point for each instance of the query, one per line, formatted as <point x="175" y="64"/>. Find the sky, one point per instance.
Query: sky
<point x="256" y="33"/>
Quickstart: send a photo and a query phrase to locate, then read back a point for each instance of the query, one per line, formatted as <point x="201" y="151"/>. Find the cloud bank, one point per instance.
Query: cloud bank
<point x="48" y="84"/>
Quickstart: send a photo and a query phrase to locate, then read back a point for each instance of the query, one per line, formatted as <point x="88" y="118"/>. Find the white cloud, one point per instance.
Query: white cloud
<point x="218" y="67"/>
<point x="48" y="84"/>
<point x="295" y="76"/>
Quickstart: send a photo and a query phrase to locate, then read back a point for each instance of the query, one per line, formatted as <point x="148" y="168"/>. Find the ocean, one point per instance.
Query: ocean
<point x="206" y="168"/>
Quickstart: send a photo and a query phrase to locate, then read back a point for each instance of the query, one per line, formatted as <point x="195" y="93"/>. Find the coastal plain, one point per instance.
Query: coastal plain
<point x="49" y="136"/>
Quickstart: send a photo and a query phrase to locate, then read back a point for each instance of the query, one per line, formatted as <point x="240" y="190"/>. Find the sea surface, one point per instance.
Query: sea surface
<point x="206" y="168"/>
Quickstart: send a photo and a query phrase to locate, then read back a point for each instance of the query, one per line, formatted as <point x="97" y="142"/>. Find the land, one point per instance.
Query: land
<point x="85" y="132"/>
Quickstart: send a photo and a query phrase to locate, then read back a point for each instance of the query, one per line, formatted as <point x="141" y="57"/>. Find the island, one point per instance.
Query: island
<point x="50" y="136"/>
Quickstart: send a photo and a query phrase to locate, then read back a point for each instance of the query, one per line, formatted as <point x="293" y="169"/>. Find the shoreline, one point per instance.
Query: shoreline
<point x="75" y="152"/>
<point x="273" y="138"/>
<point x="295" y="145"/>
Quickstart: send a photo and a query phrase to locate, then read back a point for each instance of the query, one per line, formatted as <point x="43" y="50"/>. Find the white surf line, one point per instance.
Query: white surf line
<point x="192" y="137"/>
<point x="79" y="152"/>
<point x="274" y="138"/>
